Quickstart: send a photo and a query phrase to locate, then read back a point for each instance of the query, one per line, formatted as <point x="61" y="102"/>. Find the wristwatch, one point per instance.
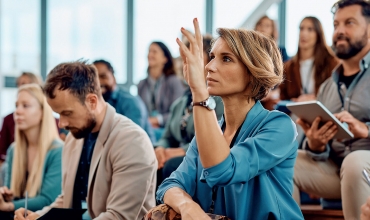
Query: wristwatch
<point x="209" y="103"/>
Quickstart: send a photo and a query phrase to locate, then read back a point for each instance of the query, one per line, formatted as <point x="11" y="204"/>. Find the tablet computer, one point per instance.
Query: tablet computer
<point x="308" y="111"/>
<point x="59" y="214"/>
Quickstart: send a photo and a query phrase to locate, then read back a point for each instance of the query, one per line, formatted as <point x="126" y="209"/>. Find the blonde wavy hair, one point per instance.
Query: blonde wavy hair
<point x="260" y="55"/>
<point x="48" y="133"/>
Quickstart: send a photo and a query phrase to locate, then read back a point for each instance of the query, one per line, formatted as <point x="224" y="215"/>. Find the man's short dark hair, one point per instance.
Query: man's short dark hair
<point x="78" y="77"/>
<point x="365" y="5"/>
<point x="106" y="63"/>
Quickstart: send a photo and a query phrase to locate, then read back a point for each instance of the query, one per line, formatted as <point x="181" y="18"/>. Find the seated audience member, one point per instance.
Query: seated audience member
<point x="327" y="167"/>
<point x="108" y="161"/>
<point x="8" y="127"/>
<point x="34" y="159"/>
<point x="267" y="26"/>
<point x="179" y="130"/>
<point x="311" y="66"/>
<point x="125" y="104"/>
<point x="161" y="88"/>
<point x="234" y="168"/>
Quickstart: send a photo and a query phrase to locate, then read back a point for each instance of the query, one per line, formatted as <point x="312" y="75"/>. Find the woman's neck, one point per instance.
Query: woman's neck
<point x="155" y="72"/>
<point x="235" y="111"/>
<point x="33" y="136"/>
<point x="305" y="54"/>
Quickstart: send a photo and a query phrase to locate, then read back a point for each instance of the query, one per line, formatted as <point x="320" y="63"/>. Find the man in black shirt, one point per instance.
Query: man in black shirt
<point x="328" y="167"/>
<point x="82" y="176"/>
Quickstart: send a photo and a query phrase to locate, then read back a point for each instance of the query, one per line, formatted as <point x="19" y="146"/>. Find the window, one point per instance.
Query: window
<point x="161" y="20"/>
<point x="297" y="10"/>
<point x="88" y="29"/>
<point x="232" y="13"/>
<point x="19" y="44"/>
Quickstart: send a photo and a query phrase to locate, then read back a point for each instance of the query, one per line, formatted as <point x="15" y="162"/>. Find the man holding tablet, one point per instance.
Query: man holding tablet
<point x="328" y="167"/>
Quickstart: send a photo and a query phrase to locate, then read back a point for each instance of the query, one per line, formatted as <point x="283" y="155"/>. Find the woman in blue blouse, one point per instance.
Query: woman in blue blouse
<point x="242" y="166"/>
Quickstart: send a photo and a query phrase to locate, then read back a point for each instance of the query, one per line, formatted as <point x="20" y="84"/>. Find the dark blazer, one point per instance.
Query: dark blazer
<point x="292" y="85"/>
<point x="171" y="89"/>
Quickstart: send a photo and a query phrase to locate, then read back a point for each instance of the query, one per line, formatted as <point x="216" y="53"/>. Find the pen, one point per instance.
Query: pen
<point x="366" y="175"/>
<point x="25" y="205"/>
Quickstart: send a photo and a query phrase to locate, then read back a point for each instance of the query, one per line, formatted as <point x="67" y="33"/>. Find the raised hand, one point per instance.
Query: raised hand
<point x="193" y="60"/>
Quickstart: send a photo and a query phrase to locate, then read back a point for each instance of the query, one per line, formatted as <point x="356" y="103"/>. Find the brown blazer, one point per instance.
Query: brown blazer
<point x="122" y="174"/>
<point x="292" y="85"/>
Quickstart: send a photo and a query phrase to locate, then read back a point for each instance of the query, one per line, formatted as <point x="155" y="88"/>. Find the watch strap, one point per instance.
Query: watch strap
<point x="202" y="103"/>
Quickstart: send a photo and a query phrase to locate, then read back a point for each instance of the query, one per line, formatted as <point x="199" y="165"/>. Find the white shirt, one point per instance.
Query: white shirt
<point x="307" y="80"/>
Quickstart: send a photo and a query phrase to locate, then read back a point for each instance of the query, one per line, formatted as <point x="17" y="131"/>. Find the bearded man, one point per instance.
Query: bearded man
<point x="109" y="165"/>
<point x="328" y="167"/>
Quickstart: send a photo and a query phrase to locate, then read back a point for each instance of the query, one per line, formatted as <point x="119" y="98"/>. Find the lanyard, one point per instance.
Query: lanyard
<point x="354" y="81"/>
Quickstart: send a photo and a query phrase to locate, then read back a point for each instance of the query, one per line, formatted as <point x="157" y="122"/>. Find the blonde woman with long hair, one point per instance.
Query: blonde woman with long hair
<point x="242" y="166"/>
<point x="34" y="159"/>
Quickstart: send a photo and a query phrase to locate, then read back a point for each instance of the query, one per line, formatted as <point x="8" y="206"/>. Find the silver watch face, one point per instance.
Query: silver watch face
<point x="211" y="103"/>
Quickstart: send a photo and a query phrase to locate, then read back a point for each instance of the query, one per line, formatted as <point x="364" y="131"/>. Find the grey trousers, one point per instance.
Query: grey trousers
<point x="325" y="179"/>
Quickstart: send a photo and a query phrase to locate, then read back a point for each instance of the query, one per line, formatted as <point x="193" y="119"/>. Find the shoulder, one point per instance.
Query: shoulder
<point x="57" y="143"/>
<point x="282" y="48"/>
<point x="277" y="119"/>
<point x="290" y="63"/>
<point x="178" y="102"/>
<point x="125" y="96"/>
<point x="8" y="120"/>
<point x="327" y="85"/>
<point x="141" y="83"/>
<point x="9" y="152"/>
<point x="274" y="114"/>
<point x="125" y="130"/>
<point x="171" y="79"/>
<point x="56" y="148"/>
<point x="8" y="117"/>
<point x="127" y="140"/>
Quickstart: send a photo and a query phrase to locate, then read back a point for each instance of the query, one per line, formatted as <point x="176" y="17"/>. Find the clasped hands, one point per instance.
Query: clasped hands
<point x="318" y="137"/>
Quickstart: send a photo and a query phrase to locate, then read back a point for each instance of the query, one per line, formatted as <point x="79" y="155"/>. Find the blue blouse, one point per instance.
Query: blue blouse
<point x="255" y="181"/>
